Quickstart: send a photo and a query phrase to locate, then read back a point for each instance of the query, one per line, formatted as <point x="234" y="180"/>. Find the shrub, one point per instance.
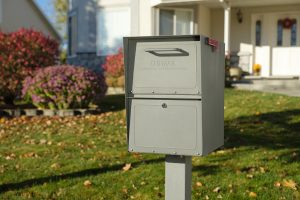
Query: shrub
<point x="114" y="69"/>
<point x="63" y="87"/>
<point x="22" y="52"/>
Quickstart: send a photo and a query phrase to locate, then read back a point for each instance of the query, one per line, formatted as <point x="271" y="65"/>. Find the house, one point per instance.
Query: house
<point x="16" y="14"/>
<point x="265" y="32"/>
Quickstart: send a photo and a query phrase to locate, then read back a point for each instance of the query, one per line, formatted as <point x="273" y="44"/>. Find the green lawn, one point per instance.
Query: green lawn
<point x="52" y="158"/>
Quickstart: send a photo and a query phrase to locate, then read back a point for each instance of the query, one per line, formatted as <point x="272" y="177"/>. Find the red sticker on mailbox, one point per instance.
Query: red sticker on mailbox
<point x="213" y="43"/>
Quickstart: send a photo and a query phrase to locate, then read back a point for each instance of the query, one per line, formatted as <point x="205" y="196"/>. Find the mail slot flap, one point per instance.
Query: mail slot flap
<point x="167" y="68"/>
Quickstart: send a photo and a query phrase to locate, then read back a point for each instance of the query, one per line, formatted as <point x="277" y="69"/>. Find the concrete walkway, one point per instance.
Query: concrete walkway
<point x="280" y="85"/>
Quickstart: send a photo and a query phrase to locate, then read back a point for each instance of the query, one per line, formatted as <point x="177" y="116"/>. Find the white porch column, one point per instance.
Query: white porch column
<point x="135" y="18"/>
<point x="227" y="29"/>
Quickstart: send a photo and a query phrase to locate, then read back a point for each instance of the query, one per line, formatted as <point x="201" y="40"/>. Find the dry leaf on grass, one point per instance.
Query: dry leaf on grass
<point x="277" y="184"/>
<point x="249" y="175"/>
<point x="10" y="157"/>
<point x="87" y="183"/>
<point x="252" y="194"/>
<point x="30" y="155"/>
<point x="125" y="191"/>
<point x="217" y="189"/>
<point x="199" y="184"/>
<point x="43" y="141"/>
<point x="55" y="166"/>
<point x="127" y="167"/>
<point x="262" y="170"/>
<point x="290" y="184"/>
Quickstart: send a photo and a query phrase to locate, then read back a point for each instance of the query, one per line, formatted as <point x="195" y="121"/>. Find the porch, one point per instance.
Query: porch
<point x="249" y="29"/>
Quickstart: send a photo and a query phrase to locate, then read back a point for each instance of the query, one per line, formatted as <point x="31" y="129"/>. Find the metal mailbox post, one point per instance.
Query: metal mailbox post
<point x="174" y="89"/>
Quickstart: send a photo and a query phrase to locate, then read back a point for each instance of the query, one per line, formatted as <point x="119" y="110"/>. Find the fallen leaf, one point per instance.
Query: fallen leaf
<point x="143" y="183"/>
<point x="199" y="184"/>
<point x="217" y="189"/>
<point x="249" y="176"/>
<point x="206" y="197"/>
<point x="127" y="167"/>
<point x="55" y="166"/>
<point x="219" y="197"/>
<point x="262" y="170"/>
<point x="290" y="184"/>
<point x="221" y="152"/>
<point x="31" y="141"/>
<point x="87" y="183"/>
<point x="43" y="141"/>
<point x="10" y="157"/>
<point x="30" y="155"/>
<point x="124" y="190"/>
<point x="252" y="194"/>
<point x="277" y="184"/>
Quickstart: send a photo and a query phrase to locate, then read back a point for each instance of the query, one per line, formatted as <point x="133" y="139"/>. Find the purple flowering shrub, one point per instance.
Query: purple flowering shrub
<point x="63" y="87"/>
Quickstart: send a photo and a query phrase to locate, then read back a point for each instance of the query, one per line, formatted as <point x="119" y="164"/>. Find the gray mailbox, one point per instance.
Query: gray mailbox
<point x="174" y="94"/>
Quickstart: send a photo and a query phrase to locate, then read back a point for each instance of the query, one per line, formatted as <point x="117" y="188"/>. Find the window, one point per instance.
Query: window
<point x="294" y="33"/>
<point x="279" y="32"/>
<point x="258" y="33"/>
<point x="112" y="25"/>
<point x="175" y="22"/>
<point x="72" y="34"/>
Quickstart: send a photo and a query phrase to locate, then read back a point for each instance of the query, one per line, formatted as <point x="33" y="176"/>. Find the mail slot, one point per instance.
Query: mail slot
<point x="174" y="88"/>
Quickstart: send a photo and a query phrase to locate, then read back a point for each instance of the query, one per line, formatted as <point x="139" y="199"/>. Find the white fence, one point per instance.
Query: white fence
<point x="286" y="61"/>
<point x="275" y="61"/>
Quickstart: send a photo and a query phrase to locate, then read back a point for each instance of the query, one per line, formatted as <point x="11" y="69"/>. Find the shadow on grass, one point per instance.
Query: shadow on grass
<point x="272" y="130"/>
<point x="205" y="170"/>
<point x="114" y="102"/>
<point x="83" y="173"/>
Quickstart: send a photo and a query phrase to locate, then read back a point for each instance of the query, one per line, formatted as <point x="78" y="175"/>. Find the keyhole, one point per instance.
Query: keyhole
<point x="164" y="105"/>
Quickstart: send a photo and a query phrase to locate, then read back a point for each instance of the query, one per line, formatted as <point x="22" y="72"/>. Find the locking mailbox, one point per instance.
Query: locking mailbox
<point x="174" y="89"/>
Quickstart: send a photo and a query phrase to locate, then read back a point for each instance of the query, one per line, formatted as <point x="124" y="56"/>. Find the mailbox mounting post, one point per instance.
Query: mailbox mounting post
<point x="178" y="177"/>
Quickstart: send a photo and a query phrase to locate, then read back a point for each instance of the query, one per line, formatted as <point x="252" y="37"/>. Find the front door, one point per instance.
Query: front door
<point x="276" y="29"/>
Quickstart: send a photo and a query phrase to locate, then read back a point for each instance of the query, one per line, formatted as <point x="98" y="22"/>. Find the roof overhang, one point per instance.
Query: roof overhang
<point x="231" y="3"/>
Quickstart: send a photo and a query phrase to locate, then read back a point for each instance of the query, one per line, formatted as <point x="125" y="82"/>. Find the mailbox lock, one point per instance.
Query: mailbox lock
<point x="164" y="105"/>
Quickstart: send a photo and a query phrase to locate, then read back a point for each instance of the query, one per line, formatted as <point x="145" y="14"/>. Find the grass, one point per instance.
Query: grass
<point x="51" y="158"/>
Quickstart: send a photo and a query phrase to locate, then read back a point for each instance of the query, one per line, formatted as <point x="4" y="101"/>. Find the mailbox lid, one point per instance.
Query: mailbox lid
<point x="167" y="68"/>
<point x="165" y="126"/>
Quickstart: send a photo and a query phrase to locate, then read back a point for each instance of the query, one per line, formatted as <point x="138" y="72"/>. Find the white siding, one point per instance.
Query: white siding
<point x="17" y="14"/>
<point x="0" y="13"/>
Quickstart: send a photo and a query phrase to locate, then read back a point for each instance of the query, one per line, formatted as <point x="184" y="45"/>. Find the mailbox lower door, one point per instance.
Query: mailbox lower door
<point x="166" y="126"/>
